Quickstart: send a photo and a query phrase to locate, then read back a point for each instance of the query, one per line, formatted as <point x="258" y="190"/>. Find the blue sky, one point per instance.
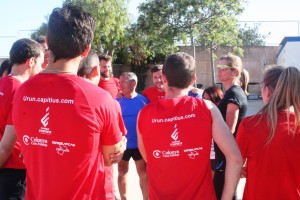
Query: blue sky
<point x="19" y="17"/>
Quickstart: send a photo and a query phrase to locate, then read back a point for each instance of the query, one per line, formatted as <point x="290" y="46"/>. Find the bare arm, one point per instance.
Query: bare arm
<point x="225" y="140"/>
<point x="140" y="141"/>
<point x="108" y="150"/>
<point x="232" y="114"/>
<point x="7" y="143"/>
<point x="117" y="156"/>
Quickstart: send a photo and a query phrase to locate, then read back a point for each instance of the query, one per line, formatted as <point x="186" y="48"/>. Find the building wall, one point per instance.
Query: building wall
<point x="255" y="60"/>
<point x="289" y="56"/>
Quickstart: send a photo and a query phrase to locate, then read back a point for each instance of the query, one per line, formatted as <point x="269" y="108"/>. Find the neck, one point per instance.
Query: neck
<point x="229" y="84"/>
<point x="20" y="72"/>
<point x="131" y="95"/>
<point x="64" y="66"/>
<point x="172" y="92"/>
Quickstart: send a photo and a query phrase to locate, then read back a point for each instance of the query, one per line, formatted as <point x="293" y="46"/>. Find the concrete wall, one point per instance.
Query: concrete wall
<point x="255" y="60"/>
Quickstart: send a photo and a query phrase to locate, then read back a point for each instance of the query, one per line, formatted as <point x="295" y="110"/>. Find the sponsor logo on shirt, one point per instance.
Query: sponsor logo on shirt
<point x="63" y="147"/>
<point x="165" y="154"/>
<point x="1" y="94"/>
<point x="45" y="121"/>
<point x="193" y="152"/>
<point x="35" y="141"/>
<point x="174" y="136"/>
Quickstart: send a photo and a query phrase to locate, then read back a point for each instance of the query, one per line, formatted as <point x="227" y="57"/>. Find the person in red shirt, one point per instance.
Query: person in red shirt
<point x="174" y="138"/>
<point x="107" y="81"/>
<point x="270" y="140"/>
<point x="66" y="126"/>
<point x="89" y="69"/>
<point x="155" y="92"/>
<point x="26" y="57"/>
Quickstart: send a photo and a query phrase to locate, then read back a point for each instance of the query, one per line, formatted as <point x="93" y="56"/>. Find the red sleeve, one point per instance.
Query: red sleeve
<point x="110" y="133"/>
<point x="242" y="138"/>
<point x="120" y="119"/>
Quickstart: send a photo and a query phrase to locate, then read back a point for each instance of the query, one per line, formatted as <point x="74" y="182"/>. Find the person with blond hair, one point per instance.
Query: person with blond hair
<point x="233" y="108"/>
<point x="270" y="140"/>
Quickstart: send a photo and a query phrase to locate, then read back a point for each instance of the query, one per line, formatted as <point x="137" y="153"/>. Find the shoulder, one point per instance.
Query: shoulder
<point x="142" y="98"/>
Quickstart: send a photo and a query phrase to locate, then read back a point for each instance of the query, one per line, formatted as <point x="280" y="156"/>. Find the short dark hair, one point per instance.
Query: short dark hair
<point x="179" y="69"/>
<point x="5" y="66"/>
<point x="23" y="49"/>
<point x="105" y="57"/>
<point x="86" y="64"/>
<point x="156" y="68"/>
<point x="70" y="31"/>
<point x="41" y="39"/>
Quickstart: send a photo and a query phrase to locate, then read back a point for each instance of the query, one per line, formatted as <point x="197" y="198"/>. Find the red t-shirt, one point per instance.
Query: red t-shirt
<point x="109" y="181"/>
<point x="111" y="85"/>
<point x="273" y="169"/>
<point x="8" y="86"/>
<point x="153" y="94"/>
<point x="177" y="139"/>
<point x="62" y="121"/>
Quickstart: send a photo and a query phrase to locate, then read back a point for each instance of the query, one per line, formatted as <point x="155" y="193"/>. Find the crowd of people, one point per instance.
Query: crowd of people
<point x="65" y="120"/>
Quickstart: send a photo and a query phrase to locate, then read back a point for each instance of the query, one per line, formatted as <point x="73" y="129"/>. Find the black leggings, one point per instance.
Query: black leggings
<point x="12" y="184"/>
<point x="219" y="180"/>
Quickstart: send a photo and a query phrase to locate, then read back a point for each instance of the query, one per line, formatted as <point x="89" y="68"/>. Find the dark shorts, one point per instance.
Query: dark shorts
<point x="134" y="153"/>
<point x="12" y="183"/>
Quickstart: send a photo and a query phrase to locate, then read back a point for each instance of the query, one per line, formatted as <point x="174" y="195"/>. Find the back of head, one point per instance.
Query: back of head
<point x="215" y="94"/>
<point x="87" y="64"/>
<point x="179" y="69"/>
<point x="70" y="31"/>
<point x="23" y="49"/>
<point x="41" y="39"/>
<point x="5" y="67"/>
<point x="283" y="85"/>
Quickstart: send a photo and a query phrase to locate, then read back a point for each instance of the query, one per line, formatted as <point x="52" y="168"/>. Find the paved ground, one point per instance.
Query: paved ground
<point x="134" y="192"/>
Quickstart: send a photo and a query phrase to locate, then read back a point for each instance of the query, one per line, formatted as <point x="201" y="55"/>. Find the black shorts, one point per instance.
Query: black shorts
<point x="12" y="183"/>
<point x="134" y="153"/>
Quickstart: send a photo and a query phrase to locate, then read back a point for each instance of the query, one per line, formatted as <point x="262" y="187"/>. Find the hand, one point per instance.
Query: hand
<point x="196" y="91"/>
<point x="118" y="154"/>
<point x="119" y="94"/>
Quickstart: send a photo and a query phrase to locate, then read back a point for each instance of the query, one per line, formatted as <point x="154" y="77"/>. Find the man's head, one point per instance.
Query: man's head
<point x="105" y="66"/>
<point x="5" y="68"/>
<point x="156" y="72"/>
<point x="70" y="32"/>
<point x="128" y="83"/>
<point x="89" y="68"/>
<point x="27" y="52"/>
<point x="179" y="70"/>
<point x="42" y="41"/>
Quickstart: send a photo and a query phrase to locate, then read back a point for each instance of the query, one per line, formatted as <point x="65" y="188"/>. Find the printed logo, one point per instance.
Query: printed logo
<point x="35" y="141"/>
<point x="63" y="147"/>
<point x="174" y="136"/>
<point x="1" y="94"/>
<point x="45" y="121"/>
<point x="26" y="139"/>
<point x="192" y="153"/>
<point x="156" y="153"/>
<point x="165" y="154"/>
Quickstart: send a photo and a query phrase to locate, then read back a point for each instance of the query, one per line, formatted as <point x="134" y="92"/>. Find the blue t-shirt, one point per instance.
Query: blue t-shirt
<point x="130" y="109"/>
<point x="199" y="95"/>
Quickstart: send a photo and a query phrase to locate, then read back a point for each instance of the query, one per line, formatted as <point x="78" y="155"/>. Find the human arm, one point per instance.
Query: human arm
<point x="226" y="142"/>
<point x="7" y="143"/>
<point x="117" y="156"/>
<point x="109" y="150"/>
<point x="140" y="141"/>
<point x="232" y="114"/>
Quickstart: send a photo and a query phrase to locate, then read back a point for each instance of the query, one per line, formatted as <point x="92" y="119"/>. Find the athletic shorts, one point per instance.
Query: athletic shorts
<point x="134" y="153"/>
<point x="12" y="183"/>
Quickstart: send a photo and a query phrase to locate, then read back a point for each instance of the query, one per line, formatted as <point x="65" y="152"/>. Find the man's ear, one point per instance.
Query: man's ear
<point x="86" y="51"/>
<point x="95" y="71"/>
<point x="30" y="62"/>
<point x="193" y="80"/>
